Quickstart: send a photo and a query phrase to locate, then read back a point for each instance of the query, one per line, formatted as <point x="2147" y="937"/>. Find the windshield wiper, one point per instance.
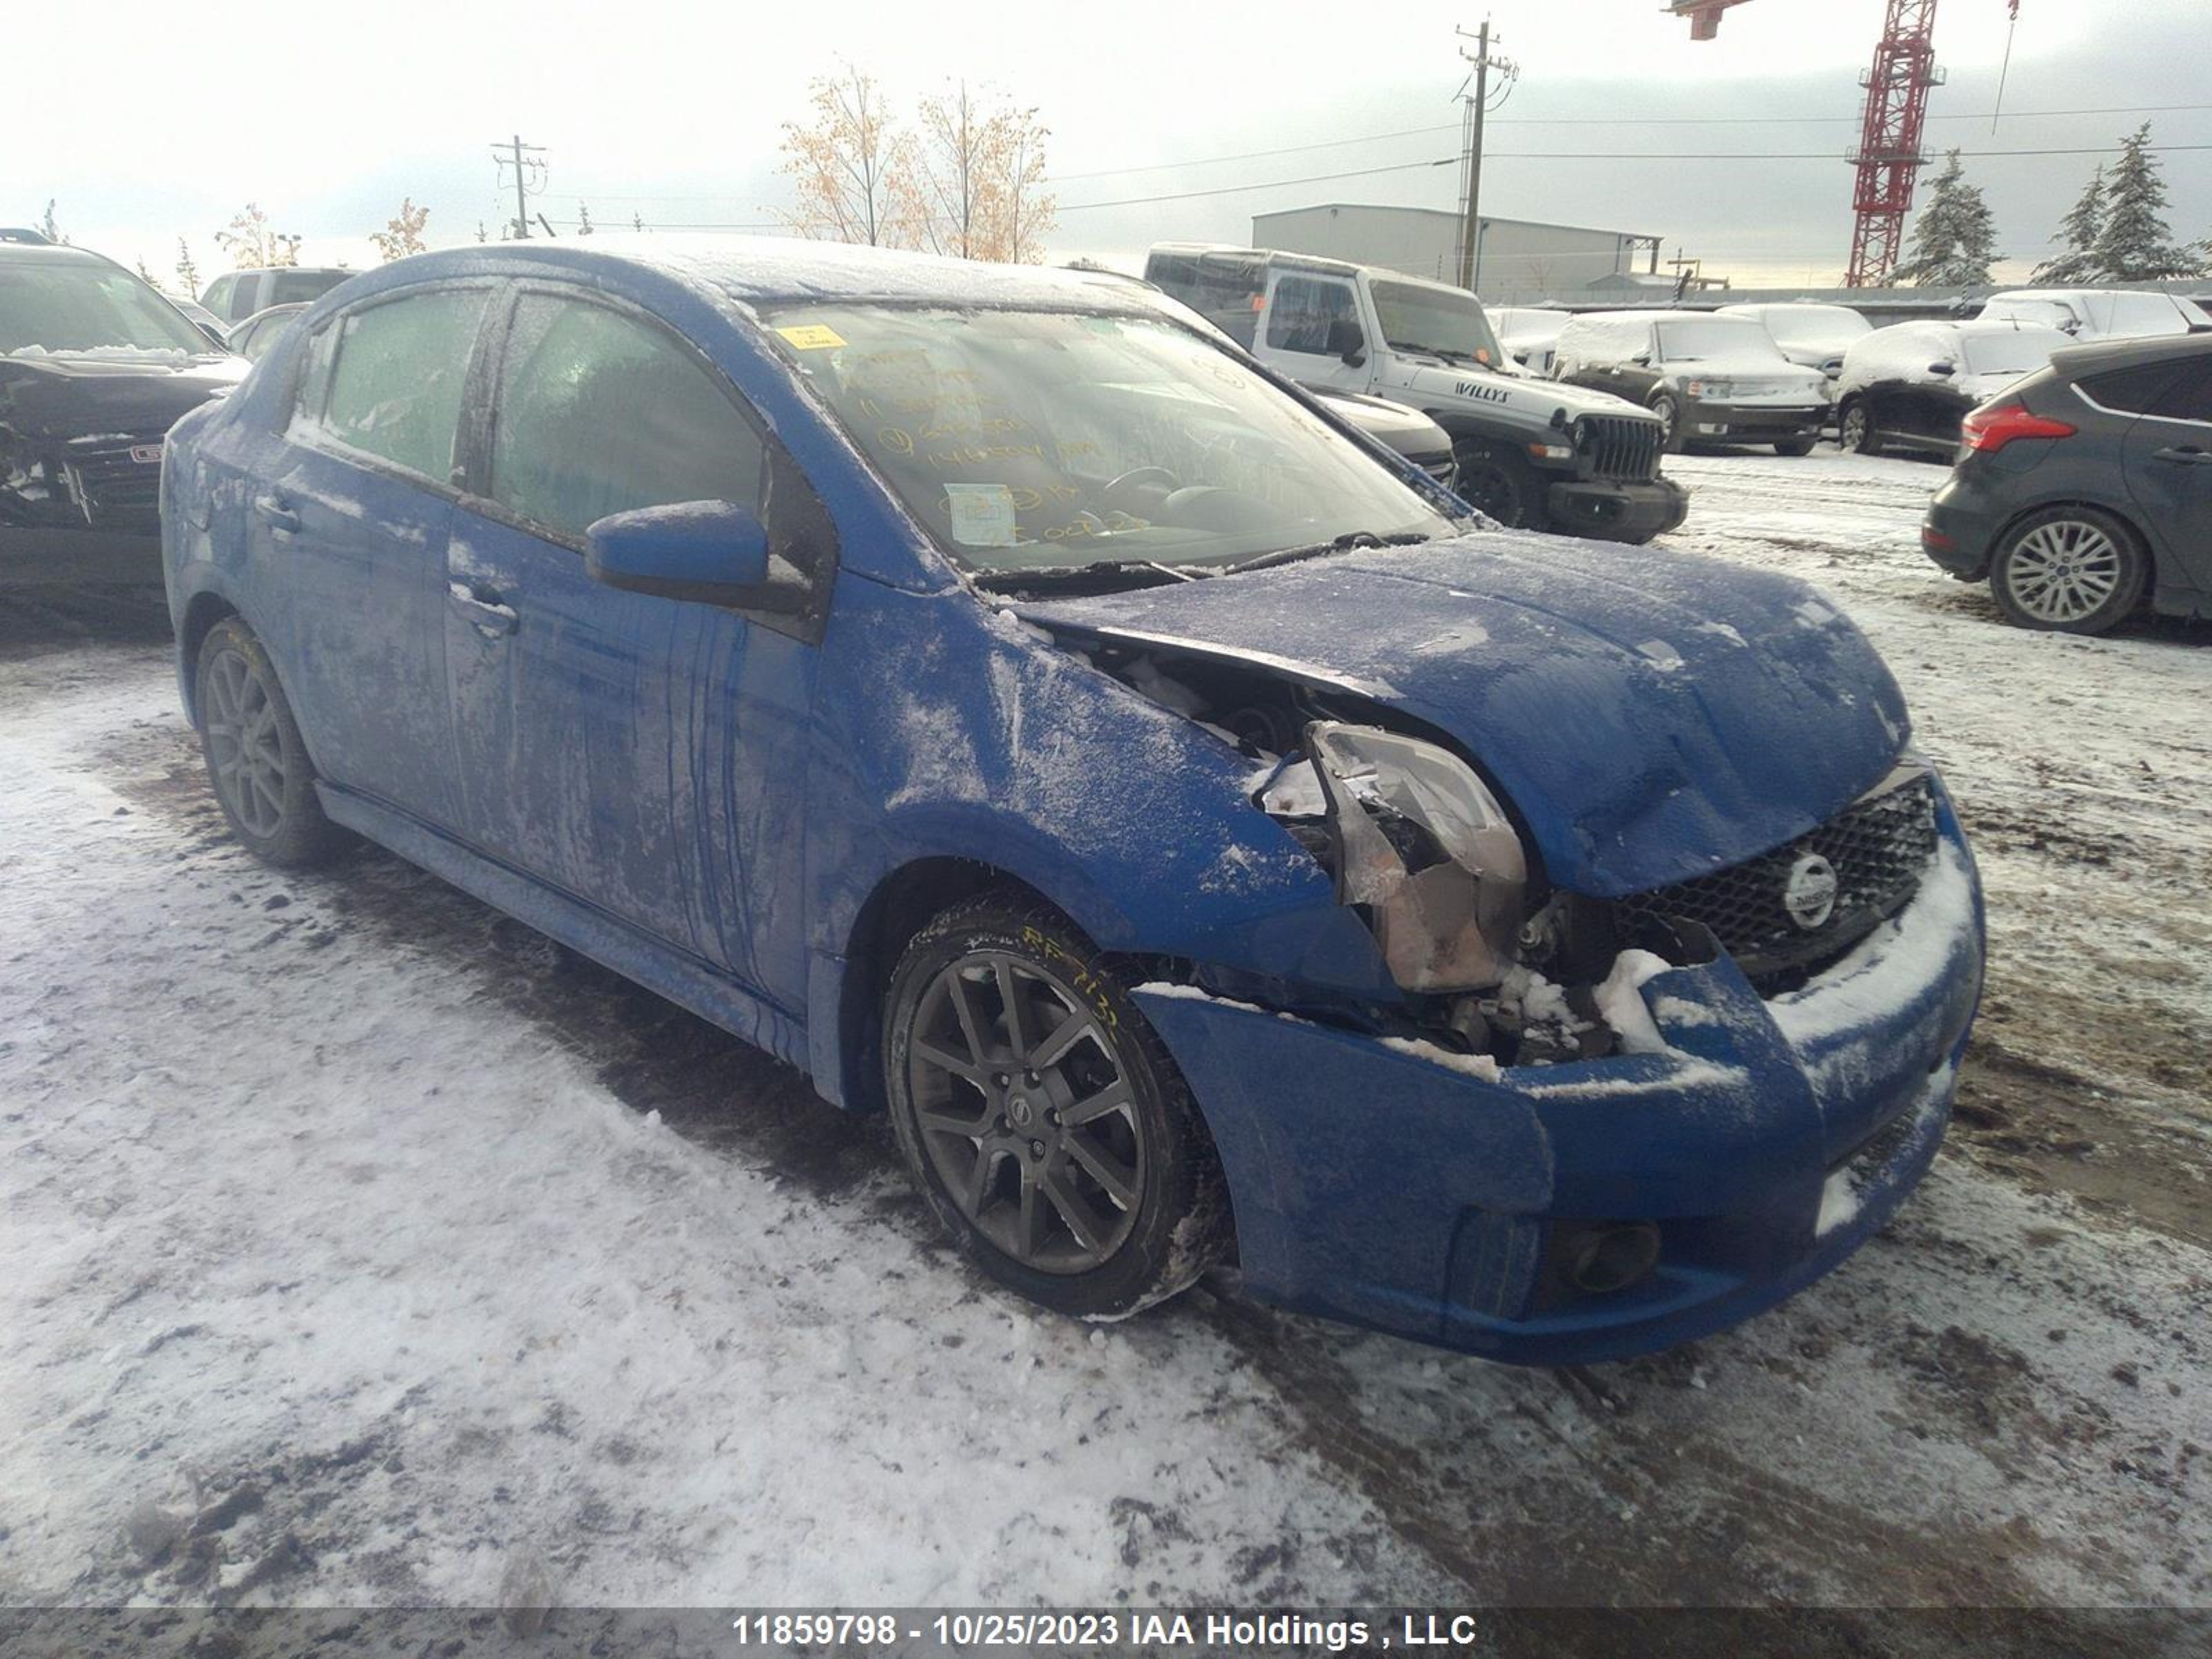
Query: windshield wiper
<point x="1060" y="575"/>
<point x="1350" y="539"/>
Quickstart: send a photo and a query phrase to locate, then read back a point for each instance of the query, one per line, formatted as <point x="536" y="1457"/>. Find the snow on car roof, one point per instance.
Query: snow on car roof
<point x="763" y="271"/>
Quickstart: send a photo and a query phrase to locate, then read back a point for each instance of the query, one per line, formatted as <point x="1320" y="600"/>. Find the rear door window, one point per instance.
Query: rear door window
<point x="599" y="412"/>
<point x="397" y="379"/>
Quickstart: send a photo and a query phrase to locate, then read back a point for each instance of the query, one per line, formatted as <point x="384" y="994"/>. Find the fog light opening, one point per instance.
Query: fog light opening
<point x="1600" y="1261"/>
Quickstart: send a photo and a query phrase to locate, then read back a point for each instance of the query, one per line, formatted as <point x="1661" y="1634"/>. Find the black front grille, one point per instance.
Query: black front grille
<point x="1878" y="847"/>
<point x="116" y="490"/>
<point x="1625" y="448"/>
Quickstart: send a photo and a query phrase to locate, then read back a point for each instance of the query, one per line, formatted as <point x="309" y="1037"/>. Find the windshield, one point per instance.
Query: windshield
<point x="2012" y="351"/>
<point x="1031" y="441"/>
<point x="1699" y="339"/>
<point x="72" y="307"/>
<point x="2044" y="313"/>
<point x="1814" y="326"/>
<point x="1438" y="320"/>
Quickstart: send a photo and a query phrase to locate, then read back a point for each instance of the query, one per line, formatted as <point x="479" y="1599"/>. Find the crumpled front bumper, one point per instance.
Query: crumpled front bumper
<point x="1399" y="1191"/>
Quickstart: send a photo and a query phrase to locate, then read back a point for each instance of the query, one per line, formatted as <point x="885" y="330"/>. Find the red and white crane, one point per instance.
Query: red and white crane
<point x="1888" y="156"/>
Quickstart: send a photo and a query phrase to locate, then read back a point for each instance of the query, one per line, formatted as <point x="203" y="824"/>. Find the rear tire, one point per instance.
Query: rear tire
<point x="2069" y="571"/>
<point x="1042" y="1117"/>
<point x="257" y="760"/>
<point x="1855" y="430"/>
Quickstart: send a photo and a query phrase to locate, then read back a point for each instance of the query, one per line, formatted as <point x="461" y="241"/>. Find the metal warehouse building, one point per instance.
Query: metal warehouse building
<point x="1516" y="254"/>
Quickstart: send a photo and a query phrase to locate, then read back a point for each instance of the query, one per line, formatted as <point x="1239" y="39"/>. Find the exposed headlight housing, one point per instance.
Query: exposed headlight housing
<point x="1424" y="846"/>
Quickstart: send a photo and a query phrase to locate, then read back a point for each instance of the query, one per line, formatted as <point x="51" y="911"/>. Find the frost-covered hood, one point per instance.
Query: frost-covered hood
<point x="1744" y="366"/>
<point x="1652" y="716"/>
<point x="64" y="395"/>
<point x="1426" y="386"/>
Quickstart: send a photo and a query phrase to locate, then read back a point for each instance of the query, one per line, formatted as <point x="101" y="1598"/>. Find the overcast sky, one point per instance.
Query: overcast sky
<point x="143" y="126"/>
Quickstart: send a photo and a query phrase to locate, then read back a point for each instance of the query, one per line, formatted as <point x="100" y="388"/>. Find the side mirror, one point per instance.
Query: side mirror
<point x="1347" y="340"/>
<point x="1945" y="369"/>
<point x="1832" y="367"/>
<point x="1642" y="359"/>
<point x="705" y="552"/>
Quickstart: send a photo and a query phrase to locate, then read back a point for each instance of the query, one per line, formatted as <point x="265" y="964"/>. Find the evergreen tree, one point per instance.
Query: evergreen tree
<point x="2136" y="245"/>
<point x="584" y="226"/>
<point x="1954" y="242"/>
<point x="51" y="231"/>
<point x="2079" y="231"/>
<point x="188" y="273"/>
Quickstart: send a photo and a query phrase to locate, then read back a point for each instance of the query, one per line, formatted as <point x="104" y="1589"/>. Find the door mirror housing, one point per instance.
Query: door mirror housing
<point x="1347" y="340"/>
<point x="704" y="552"/>
<point x="1945" y="369"/>
<point x="1642" y="359"/>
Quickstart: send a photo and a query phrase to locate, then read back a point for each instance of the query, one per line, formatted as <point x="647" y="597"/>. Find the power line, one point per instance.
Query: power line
<point x="1583" y="120"/>
<point x="1495" y="120"/>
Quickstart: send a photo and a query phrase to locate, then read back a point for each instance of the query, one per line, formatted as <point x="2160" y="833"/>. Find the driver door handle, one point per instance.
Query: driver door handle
<point x="2183" y="455"/>
<point x="276" y="513"/>
<point x="482" y="606"/>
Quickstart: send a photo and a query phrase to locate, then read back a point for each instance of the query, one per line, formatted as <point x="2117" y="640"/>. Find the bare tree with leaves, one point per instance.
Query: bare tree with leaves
<point x="1025" y="206"/>
<point x="188" y="270"/>
<point x="403" y="233"/>
<point x="252" y="245"/>
<point x="976" y="188"/>
<point x="851" y="167"/>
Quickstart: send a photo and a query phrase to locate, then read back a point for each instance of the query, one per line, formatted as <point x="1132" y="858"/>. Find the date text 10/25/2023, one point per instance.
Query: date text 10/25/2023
<point x="1105" y="1631"/>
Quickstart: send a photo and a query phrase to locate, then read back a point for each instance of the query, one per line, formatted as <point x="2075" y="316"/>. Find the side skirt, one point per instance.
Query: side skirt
<point x="684" y="980"/>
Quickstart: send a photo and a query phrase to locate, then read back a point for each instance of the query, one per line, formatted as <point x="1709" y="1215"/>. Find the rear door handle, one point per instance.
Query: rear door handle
<point x="276" y="513"/>
<point x="2183" y="455"/>
<point x="482" y="607"/>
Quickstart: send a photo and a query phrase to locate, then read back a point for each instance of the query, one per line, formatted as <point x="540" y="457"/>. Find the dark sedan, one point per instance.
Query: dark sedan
<point x="94" y="369"/>
<point x="2086" y="488"/>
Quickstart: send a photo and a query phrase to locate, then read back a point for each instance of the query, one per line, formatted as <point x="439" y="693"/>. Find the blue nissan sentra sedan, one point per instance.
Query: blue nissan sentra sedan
<point x="990" y="691"/>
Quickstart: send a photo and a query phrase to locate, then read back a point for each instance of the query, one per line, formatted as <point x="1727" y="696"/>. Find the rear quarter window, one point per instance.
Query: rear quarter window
<point x="2135" y="390"/>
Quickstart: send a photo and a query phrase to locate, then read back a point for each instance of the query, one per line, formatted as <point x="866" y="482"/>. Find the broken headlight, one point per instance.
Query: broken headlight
<point x="1422" y="845"/>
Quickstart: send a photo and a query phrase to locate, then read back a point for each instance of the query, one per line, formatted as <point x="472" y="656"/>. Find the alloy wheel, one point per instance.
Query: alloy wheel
<point x="245" y="746"/>
<point x="2065" y="570"/>
<point x="1854" y="433"/>
<point x="1025" y="1114"/>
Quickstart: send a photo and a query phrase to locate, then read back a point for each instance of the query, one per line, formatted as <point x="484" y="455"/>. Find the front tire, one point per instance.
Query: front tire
<point x="1673" y="438"/>
<point x="1794" y="448"/>
<point x="1855" y="430"/>
<point x="1502" y="484"/>
<point x="2069" y="571"/>
<point x="1042" y="1119"/>
<point x="256" y="759"/>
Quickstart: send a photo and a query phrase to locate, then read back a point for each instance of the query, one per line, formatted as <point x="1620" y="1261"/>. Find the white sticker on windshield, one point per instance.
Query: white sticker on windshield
<point x="983" y="515"/>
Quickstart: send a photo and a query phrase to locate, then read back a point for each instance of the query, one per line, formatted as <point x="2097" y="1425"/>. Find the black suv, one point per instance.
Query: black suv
<point x="96" y="367"/>
<point x="2088" y="486"/>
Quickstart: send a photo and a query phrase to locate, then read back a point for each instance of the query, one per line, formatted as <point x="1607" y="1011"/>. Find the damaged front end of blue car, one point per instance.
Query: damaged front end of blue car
<point x="1677" y="941"/>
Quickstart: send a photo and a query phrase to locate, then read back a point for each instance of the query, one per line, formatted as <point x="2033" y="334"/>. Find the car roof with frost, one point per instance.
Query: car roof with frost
<point x="763" y="271"/>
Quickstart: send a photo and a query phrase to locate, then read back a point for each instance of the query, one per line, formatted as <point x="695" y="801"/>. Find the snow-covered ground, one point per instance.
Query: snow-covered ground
<point x="362" y="1247"/>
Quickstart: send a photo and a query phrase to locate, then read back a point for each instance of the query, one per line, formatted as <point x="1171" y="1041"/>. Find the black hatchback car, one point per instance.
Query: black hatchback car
<point x="96" y="367"/>
<point x="2086" y="488"/>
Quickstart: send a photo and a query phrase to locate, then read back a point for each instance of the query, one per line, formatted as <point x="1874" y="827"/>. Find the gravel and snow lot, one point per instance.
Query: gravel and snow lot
<point x="363" y="1247"/>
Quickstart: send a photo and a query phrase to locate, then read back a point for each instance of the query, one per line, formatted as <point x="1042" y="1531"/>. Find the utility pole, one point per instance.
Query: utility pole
<point x="1477" y="106"/>
<point x="514" y="152"/>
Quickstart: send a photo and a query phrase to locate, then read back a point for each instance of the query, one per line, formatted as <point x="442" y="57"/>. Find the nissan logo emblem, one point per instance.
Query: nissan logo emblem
<point x="1809" y="893"/>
